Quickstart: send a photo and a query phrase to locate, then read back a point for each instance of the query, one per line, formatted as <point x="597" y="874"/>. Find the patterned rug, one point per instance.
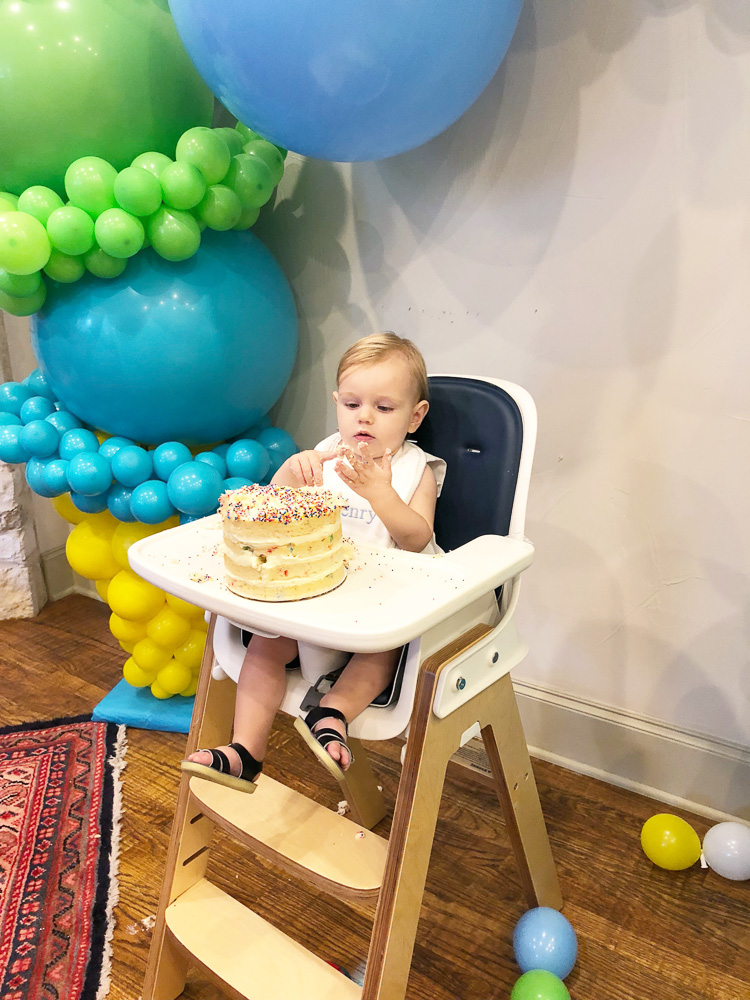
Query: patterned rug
<point x="59" y="834"/>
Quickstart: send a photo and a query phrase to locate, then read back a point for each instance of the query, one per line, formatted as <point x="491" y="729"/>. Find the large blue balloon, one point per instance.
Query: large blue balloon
<point x="347" y="79"/>
<point x="193" y="351"/>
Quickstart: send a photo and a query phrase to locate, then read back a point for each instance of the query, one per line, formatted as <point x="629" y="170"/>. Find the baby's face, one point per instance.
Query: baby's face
<point x="377" y="404"/>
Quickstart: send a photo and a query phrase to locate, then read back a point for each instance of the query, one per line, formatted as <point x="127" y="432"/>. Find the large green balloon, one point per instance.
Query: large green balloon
<point x="87" y="78"/>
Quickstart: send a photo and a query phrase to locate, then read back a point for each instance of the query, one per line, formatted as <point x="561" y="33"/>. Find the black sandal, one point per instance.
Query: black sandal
<point x="219" y="769"/>
<point x="318" y="741"/>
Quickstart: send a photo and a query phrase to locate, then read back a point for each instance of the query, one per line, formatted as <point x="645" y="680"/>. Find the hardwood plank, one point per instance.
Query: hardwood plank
<point x="643" y="932"/>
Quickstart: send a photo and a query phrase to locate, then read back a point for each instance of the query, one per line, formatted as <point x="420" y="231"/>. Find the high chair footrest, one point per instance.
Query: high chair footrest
<point x="301" y="836"/>
<point x="245" y="953"/>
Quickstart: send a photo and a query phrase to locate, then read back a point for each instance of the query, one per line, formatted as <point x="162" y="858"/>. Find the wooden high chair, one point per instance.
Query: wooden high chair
<point x="457" y="614"/>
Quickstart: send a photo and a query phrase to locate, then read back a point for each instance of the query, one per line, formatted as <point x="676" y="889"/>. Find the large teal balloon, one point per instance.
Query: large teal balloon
<point x="91" y="78"/>
<point x="195" y="351"/>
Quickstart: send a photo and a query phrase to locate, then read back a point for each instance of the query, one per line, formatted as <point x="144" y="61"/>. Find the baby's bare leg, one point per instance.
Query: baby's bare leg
<point x="260" y="691"/>
<point x="363" y="678"/>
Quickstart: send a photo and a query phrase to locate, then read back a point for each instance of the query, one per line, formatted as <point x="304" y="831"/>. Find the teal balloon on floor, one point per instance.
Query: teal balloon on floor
<point x="195" y="351"/>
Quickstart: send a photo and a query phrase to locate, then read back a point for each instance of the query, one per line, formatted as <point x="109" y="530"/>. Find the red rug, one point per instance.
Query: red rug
<point x="59" y="832"/>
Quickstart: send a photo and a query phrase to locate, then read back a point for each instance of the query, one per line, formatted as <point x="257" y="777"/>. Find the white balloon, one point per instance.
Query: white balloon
<point x="726" y="848"/>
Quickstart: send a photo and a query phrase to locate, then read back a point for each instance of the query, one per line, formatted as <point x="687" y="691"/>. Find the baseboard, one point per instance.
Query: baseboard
<point x="683" y="769"/>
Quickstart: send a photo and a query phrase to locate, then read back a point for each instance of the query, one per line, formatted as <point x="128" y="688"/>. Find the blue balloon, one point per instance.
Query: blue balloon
<point x="14" y="394"/>
<point x="544" y="939"/>
<point x="170" y="456"/>
<point x="345" y="79"/>
<point x="112" y="445"/>
<point x="195" y="488"/>
<point x="7" y="419"/>
<point x="89" y="473"/>
<point x="214" y="460"/>
<point x="35" y="470"/>
<point x="236" y="483"/>
<point x="118" y="501"/>
<point x="77" y="441"/>
<point x="132" y="465"/>
<point x="40" y="438"/>
<point x="63" y="421"/>
<point x="191" y="351"/>
<point x="279" y="445"/>
<point x="36" y="408"/>
<point x="11" y="449"/>
<point x="150" y="502"/>
<point x="38" y="383"/>
<point x="89" y="505"/>
<point x="56" y="477"/>
<point x="221" y="449"/>
<point x="248" y="459"/>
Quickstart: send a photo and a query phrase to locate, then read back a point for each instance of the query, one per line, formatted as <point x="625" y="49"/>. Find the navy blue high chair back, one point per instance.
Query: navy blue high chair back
<point x="477" y="428"/>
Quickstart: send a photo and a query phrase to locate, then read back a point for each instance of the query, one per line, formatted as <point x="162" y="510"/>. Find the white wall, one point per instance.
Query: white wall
<point x="582" y="230"/>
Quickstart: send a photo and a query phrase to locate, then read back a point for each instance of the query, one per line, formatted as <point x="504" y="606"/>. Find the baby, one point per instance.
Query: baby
<point x="392" y="487"/>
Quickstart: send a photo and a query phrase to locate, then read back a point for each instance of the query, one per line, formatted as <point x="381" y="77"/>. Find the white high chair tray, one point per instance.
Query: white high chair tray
<point x="388" y="598"/>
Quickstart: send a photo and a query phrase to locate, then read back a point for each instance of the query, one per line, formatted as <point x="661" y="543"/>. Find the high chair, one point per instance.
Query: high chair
<point x="456" y="612"/>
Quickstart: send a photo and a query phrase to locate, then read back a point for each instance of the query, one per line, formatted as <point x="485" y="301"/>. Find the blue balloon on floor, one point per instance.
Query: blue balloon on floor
<point x="545" y="939"/>
<point x="194" y="351"/>
<point x="347" y="80"/>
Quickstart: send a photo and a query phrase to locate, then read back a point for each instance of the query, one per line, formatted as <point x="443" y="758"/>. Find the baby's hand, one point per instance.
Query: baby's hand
<point x="306" y="467"/>
<point x="362" y="473"/>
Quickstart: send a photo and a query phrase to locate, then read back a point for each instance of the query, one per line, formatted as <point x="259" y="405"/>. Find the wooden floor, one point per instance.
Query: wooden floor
<point x="644" y="933"/>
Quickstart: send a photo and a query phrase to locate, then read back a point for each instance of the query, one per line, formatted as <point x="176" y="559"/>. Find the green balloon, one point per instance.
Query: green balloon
<point x="248" y="135"/>
<point x="90" y="78"/>
<point x="248" y="217"/>
<point x="64" y="268"/>
<point x="90" y="184"/>
<point x="220" y="209"/>
<point x="207" y="151"/>
<point x="152" y="161"/>
<point x="118" y="233"/>
<point x="25" y="306"/>
<point x="182" y="185"/>
<point x="539" y="985"/>
<point x="137" y="190"/>
<point x="102" y="264"/>
<point x="24" y="244"/>
<point x="8" y="202"/>
<point x="269" y="154"/>
<point x="71" y="230"/>
<point x="250" y="179"/>
<point x="175" y="235"/>
<point x="232" y="138"/>
<point x="40" y="202"/>
<point x="19" y="285"/>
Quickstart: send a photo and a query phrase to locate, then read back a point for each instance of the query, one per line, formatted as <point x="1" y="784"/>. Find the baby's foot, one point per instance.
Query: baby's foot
<point x="337" y="751"/>
<point x="204" y="757"/>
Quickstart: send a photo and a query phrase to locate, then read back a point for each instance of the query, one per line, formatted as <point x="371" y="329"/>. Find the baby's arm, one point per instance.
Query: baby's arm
<point x="303" y="469"/>
<point x="409" y="525"/>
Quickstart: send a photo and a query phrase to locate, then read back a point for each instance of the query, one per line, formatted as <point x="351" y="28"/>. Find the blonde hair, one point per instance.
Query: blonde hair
<point x="377" y="347"/>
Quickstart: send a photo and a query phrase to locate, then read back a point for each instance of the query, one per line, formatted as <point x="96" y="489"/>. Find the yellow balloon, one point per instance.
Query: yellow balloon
<point x="89" y="551"/>
<point x="190" y="653"/>
<point x="67" y="509"/>
<point x="174" y="677"/>
<point x="190" y="689"/>
<point x="135" y="676"/>
<point x="182" y="607"/>
<point x="127" y="646"/>
<point x="670" y="842"/>
<point x="168" y="628"/>
<point x="200" y="623"/>
<point x="132" y="598"/>
<point x="102" y="586"/>
<point x="125" y="631"/>
<point x="125" y="534"/>
<point x="158" y="691"/>
<point x="149" y="656"/>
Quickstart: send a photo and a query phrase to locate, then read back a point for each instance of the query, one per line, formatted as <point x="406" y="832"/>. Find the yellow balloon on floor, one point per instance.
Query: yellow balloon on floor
<point x="135" y="676"/>
<point x="149" y="656"/>
<point x="168" y="628"/>
<point x="89" y="551"/>
<point x="158" y="691"/>
<point x="132" y="598"/>
<point x="125" y="631"/>
<point x="670" y="842"/>
<point x="190" y="653"/>
<point x="191" y="688"/>
<point x="174" y="677"/>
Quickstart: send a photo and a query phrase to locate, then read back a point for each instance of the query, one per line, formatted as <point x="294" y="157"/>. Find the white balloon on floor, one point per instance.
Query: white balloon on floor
<point x="726" y="848"/>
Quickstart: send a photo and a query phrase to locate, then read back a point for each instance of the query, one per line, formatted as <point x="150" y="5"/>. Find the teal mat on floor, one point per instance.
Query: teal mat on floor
<point x="137" y="707"/>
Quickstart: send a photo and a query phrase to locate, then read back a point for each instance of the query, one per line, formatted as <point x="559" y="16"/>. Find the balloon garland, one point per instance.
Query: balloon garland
<point x="219" y="179"/>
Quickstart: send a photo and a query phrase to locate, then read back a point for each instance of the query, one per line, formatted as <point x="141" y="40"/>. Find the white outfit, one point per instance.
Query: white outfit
<point x="359" y="521"/>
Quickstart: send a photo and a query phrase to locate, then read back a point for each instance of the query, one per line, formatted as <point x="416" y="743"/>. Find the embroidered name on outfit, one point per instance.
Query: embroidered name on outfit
<point x="368" y="516"/>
